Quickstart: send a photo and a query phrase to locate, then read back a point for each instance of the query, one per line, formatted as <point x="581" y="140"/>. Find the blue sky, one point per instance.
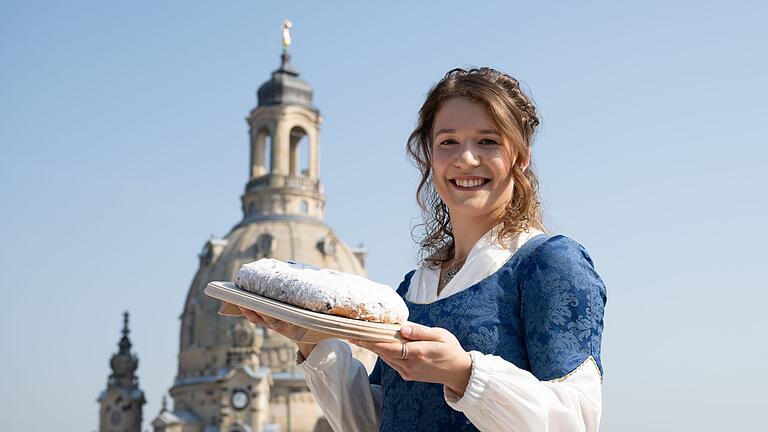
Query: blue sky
<point x="123" y="147"/>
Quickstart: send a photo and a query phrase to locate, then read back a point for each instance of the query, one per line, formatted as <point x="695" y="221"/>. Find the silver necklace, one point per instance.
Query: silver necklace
<point x="451" y="271"/>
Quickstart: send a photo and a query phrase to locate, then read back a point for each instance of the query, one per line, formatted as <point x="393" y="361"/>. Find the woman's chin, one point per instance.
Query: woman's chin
<point x="470" y="209"/>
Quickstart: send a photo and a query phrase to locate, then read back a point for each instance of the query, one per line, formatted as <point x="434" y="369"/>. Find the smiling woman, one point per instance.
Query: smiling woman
<point x="505" y="321"/>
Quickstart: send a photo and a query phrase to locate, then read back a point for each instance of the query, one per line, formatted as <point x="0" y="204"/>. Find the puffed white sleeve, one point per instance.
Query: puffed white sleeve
<point x="562" y="307"/>
<point x="501" y="396"/>
<point x="342" y="388"/>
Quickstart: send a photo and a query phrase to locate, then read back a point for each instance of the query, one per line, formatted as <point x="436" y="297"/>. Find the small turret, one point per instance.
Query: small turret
<point x="122" y="401"/>
<point x="123" y="363"/>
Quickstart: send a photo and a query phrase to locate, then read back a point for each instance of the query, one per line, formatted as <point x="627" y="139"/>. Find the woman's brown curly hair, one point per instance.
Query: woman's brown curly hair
<point x="514" y="114"/>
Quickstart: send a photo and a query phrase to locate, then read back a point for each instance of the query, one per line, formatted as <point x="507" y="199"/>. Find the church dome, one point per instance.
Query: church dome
<point x="285" y="87"/>
<point x="227" y="364"/>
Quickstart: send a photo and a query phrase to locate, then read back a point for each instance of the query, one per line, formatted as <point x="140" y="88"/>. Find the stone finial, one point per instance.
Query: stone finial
<point x="125" y="343"/>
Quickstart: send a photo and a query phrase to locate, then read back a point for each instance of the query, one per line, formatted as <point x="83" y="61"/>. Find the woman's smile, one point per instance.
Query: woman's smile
<point x="469" y="183"/>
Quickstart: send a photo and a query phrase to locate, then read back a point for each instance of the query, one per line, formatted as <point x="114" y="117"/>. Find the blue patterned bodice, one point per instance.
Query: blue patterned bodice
<point x="542" y="311"/>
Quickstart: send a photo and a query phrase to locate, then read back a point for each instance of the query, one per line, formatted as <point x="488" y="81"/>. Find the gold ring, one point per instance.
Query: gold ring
<point x="404" y="352"/>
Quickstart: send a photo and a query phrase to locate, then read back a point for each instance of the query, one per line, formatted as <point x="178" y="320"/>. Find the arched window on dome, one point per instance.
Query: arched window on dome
<point x="304" y="207"/>
<point x="299" y="152"/>
<point x="268" y="156"/>
<point x="265" y="245"/>
<point x="261" y="153"/>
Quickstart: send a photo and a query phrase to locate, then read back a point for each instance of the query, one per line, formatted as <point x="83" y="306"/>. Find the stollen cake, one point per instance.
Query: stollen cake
<point x="322" y="290"/>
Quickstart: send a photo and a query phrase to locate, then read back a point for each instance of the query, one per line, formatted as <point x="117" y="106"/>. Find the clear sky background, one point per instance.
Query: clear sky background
<point x="123" y="147"/>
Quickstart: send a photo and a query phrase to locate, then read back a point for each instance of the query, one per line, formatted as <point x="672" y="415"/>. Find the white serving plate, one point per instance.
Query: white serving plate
<point x="320" y="326"/>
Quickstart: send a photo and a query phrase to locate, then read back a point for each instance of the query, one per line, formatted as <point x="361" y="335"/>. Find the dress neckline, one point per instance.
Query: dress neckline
<point x="472" y="287"/>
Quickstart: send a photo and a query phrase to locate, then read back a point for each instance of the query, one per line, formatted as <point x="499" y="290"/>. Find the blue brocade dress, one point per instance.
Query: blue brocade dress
<point x="542" y="311"/>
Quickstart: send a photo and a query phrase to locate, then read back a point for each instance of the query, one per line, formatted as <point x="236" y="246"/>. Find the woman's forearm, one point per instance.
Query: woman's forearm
<point x="342" y="388"/>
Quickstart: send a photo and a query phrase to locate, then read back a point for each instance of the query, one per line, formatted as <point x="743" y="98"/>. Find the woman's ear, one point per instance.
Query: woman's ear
<point x="527" y="161"/>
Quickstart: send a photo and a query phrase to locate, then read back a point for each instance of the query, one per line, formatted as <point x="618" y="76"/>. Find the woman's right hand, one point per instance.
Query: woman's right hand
<point x="293" y="332"/>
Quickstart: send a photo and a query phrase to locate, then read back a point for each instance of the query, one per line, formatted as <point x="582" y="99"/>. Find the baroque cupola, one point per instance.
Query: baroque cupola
<point x="285" y="86"/>
<point x="232" y="375"/>
<point x="283" y="174"/>
<point x="123" y="362"/>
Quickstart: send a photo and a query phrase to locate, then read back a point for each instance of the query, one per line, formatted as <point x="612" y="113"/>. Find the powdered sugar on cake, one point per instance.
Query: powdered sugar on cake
<point x="322" y="290"/>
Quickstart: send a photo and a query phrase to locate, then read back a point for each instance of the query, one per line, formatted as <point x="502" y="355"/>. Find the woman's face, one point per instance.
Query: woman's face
<point x="471" y="162"/>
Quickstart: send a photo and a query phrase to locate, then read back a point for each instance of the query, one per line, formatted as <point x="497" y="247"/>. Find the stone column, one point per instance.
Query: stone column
<point x="281" y="149"/>
<point x="314" y="154"/>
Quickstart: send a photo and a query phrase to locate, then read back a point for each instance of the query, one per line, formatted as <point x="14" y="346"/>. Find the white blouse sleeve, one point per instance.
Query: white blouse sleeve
<point x="501" y="396"/>
<point x="340" y="385"/>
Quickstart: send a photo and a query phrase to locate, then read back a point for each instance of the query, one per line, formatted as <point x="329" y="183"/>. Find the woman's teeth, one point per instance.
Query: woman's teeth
<point x="468" y="183"/>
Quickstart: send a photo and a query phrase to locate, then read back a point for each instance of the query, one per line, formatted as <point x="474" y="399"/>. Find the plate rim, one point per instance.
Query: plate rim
<point x="330" y="324"/>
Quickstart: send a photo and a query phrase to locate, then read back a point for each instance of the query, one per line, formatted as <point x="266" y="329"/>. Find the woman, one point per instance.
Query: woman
<point x="505" y="321"/>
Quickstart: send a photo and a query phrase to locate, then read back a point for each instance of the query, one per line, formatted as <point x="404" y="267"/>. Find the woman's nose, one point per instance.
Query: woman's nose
<point x="466" y="155"/>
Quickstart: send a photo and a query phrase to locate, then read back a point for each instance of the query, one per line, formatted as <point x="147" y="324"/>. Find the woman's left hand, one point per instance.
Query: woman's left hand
<point x="433" y="355"/>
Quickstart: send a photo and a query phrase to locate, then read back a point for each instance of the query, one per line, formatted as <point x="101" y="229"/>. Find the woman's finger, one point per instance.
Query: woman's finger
<point x="284" y="328"/>
<point x="280" y="326"/>
<point x="415" y="331"/>
<point x="270" y="320"/>
<point x="251" y="316"/>
<point x="383" y="349"/>
<point x="289" y="330"/>
<point x="257" y="318"/>
<point x="400" y="368"/>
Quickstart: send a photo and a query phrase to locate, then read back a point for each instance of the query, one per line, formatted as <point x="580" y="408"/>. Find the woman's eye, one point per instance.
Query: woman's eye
<point x="488" y="141"/>
<point x="448" y="141"/>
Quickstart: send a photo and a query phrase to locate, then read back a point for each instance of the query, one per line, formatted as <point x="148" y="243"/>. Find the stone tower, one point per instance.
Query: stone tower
<point x="234" y="376"/>
<point x="121" y="403"/>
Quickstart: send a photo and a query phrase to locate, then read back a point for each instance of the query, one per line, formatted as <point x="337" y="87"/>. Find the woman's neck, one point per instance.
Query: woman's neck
<point x="467" y="231"/>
